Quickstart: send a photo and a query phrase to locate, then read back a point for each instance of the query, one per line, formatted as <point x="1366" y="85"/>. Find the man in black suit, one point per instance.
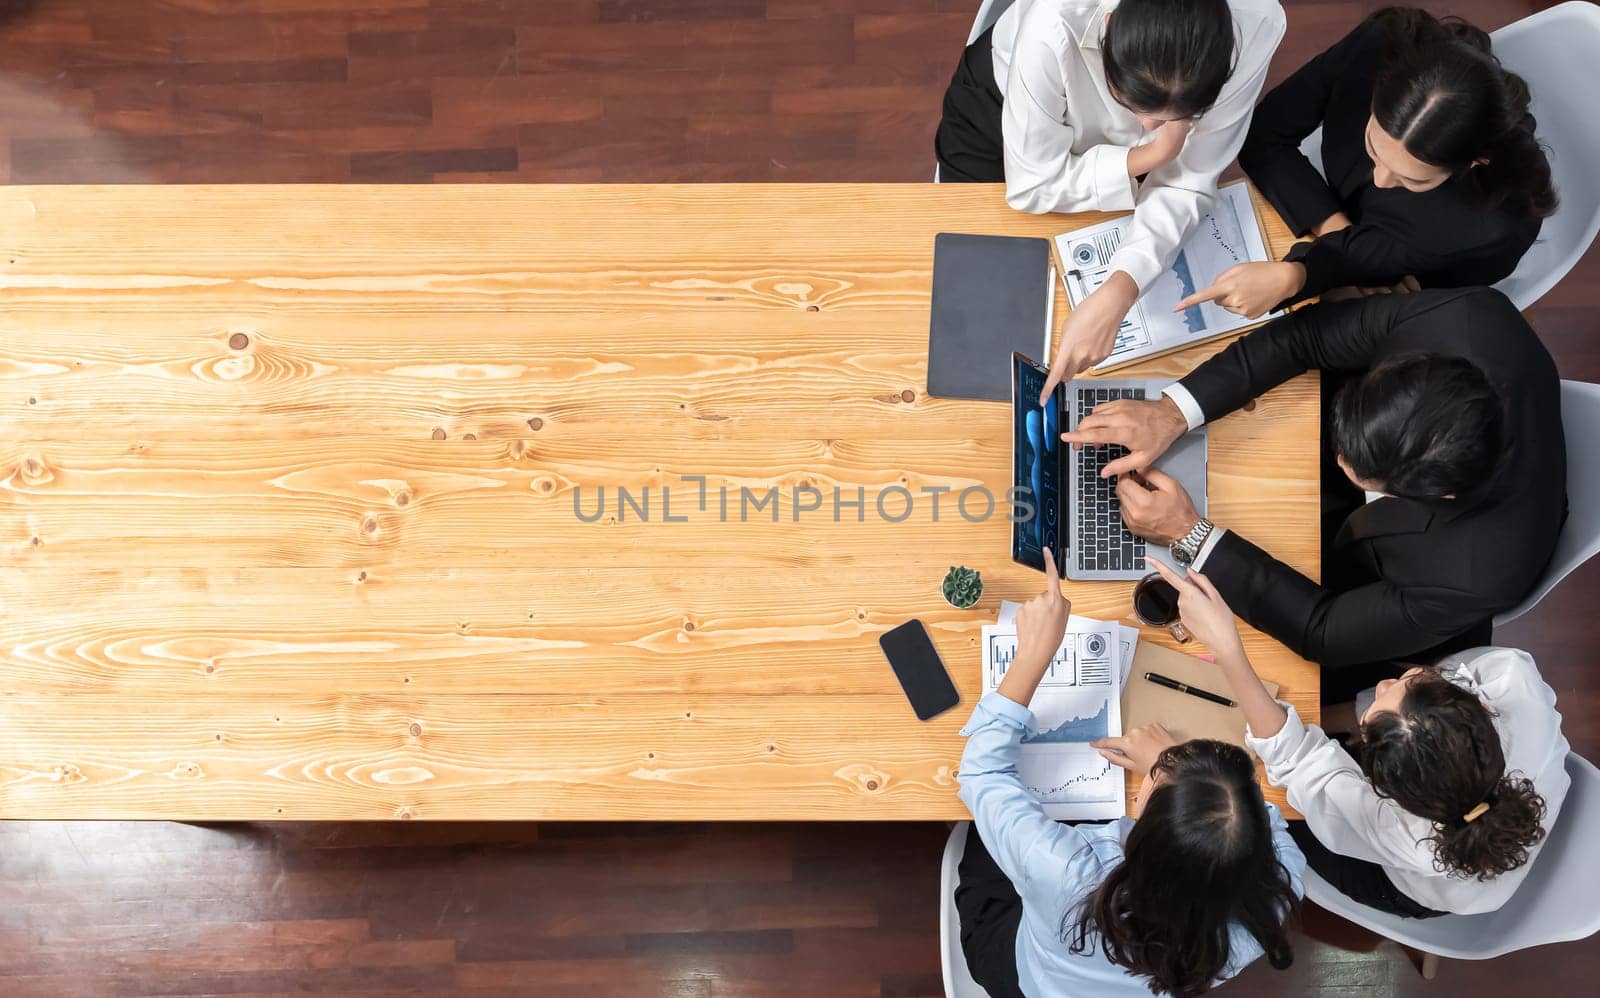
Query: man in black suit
<point x="1449" y="417"/>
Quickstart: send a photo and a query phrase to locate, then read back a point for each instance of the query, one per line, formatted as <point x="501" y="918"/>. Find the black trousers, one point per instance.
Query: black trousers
<point x="968" y="144"/>
<point x="1356" y="879"/>
<point x="990" y="912"/>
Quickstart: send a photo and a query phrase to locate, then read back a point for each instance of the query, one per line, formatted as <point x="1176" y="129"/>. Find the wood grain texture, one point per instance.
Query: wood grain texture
<point x="291" y="479"/>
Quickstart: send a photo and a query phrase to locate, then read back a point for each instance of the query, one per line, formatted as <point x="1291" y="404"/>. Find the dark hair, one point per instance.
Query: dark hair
<point x="1421" y="425"/>
<point x="1438" y="758"/>
<point x="1199" y="859"/>
<point x="1441" y="92"/>
<point x="1168" y="56"/>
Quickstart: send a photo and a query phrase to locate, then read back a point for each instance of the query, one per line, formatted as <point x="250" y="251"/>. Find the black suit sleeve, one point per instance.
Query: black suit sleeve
<point x="1361" y="256"/>
<point x="1372" y="623"/>
<point x="1295" y="108"/>
<point x="1331" y="336"/>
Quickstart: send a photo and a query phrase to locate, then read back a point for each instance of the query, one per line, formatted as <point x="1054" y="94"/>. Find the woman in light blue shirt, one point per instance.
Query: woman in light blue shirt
<point x="1175" y="901"/>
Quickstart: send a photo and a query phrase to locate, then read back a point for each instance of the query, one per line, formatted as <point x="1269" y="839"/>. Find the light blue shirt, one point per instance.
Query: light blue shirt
<point x="1054" y="866"/>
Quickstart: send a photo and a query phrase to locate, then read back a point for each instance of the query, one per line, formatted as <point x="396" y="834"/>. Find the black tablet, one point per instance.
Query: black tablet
<point x="1039" y="515"/>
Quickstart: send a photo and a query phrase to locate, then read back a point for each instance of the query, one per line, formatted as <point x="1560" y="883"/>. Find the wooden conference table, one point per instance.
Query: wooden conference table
<point x="288" y="511"/>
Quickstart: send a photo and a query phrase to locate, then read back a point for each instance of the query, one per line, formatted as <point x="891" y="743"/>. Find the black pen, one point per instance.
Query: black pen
<point x="1173" y="684"/>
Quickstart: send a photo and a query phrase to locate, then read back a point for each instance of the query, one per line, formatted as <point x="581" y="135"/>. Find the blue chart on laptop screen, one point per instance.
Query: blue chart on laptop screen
<point x="1037" y="454"/>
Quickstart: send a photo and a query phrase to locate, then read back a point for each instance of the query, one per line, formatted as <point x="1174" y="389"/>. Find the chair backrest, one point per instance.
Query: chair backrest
<point x="1556" y="50"/>
<point x="1580" y="538"/>
<point x="988" y="13"/>
<point x="958" y="982"/>
<point x="1556" y="903"/>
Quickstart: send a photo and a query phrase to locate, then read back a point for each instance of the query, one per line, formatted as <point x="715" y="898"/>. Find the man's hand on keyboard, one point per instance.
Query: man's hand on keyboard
<point x="1146" y="429"/>
<point x="1156" y="507"/>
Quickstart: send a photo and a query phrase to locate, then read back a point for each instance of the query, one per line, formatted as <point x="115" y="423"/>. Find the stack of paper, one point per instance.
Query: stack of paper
<point x="1079" y="700"/>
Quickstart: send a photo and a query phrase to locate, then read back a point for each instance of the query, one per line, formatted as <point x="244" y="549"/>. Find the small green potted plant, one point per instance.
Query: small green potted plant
<point x="962" y="587"/>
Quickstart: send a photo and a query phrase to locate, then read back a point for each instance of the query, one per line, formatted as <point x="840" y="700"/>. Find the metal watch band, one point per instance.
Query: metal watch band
<point x="1187" y="548"/>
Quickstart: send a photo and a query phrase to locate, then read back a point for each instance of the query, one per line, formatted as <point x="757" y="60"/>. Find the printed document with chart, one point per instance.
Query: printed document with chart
<point x="1227" y="234"/>
<point x="1079" y="700"/>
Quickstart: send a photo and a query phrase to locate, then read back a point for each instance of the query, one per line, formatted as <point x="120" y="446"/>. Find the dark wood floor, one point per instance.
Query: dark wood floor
<point x="231" y="91"/>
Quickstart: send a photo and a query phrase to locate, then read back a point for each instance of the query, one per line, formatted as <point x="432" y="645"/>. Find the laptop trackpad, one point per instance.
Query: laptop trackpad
<point x="1186" y="462"/>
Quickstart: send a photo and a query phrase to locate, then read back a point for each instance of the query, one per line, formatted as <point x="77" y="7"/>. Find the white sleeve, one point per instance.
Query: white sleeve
<point x="1176" y="194"/>
<point x="1199" y="563"/>
<point x="1325" y="784"/>
<point x="1042" y="172"/>
<point x="1186" y="404"/>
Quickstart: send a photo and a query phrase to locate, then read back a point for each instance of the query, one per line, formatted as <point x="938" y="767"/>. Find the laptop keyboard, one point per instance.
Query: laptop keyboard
<point x="1103" y="542"/>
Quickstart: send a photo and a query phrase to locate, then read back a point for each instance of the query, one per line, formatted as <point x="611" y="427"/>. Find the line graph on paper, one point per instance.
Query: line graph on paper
<point x="1076" y="775"/>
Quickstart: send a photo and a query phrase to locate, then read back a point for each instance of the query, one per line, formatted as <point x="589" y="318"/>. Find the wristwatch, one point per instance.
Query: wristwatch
<point x="1187" y="548"/>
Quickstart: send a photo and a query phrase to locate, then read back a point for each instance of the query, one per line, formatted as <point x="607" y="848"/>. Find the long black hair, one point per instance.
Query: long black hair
<point x="1442" y="93"/>
<point x="1168" y="56"/>
<point x="1422" y="426"/>
<point x="1199" y="860"/>
<point x="1439" y="757"/>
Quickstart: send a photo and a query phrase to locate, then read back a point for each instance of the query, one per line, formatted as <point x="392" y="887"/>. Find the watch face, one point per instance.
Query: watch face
<point x="1181" y="555"/>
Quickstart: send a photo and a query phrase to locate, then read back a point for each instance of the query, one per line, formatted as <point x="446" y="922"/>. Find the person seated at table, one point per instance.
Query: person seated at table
<point x="1200" y="885"/>
<point x="1435" y="175"/>
<point x="1070" y="102"/>
<point x="1461" y="772"/>
<point x="1449" y="422"/>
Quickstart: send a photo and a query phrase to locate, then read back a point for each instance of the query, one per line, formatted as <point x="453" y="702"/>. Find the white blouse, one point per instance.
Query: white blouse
<point x="1066" y="140"/>
<point x="1327" y="786"/>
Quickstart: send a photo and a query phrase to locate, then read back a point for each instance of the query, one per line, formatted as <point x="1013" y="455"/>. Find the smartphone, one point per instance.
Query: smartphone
<point x="916" y="664"/>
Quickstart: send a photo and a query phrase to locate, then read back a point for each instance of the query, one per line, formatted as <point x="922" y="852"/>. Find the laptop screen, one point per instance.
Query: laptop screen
<point x="1036" y="472"/>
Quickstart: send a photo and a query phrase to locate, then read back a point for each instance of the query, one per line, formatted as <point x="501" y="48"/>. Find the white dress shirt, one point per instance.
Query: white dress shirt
<point x="1345" y="814"/>
<point x="1067" y="141"/>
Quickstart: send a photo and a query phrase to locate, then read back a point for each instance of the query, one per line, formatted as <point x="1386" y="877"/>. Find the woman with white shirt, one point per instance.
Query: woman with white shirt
<point x="1194" y="890"/>
<point x="1461" y="772"/>
<point x="1071" y="102"/>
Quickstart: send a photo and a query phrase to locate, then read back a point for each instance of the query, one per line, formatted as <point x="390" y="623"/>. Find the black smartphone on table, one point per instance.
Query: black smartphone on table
<point x="917" y="665"/>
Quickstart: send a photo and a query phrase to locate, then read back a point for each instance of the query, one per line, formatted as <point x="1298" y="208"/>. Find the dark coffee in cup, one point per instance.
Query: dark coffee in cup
<point x="1155" y="602"/>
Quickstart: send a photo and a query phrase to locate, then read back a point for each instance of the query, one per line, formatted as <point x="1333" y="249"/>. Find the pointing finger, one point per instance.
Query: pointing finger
<point x="1208" y="294"/>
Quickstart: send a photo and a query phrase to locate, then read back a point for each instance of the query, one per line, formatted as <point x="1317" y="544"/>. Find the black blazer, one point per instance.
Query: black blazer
<point x="1412" y="574"/>
<point x="1438" y="236"/>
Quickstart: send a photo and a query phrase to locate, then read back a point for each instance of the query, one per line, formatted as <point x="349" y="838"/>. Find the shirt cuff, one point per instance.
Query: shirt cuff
<point x="1210" y="544"/>
<point x="1280" y="746"/>
<point x="1192" y="413"/>
<point x="1113" y="188"/>
<point x="994" y="705"/>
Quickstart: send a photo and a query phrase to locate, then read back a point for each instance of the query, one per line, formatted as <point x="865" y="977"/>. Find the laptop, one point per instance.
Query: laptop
<point x="1074" y="508"/>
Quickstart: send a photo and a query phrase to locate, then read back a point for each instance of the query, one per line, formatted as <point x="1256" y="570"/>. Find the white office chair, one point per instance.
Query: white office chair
<point x="1556" y="903"/>
<point x="958" y="982"/>
<point x="1554" y="51"/>
<point x="988" y="13"/>
<point x="1580" y="538"/>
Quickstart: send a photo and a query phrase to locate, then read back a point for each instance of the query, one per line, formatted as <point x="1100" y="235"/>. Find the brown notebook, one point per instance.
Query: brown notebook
<point x="1143" y="702"/>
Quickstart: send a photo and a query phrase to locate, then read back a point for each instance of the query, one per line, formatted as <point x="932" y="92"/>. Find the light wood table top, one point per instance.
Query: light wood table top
<point x="288" y="522"/>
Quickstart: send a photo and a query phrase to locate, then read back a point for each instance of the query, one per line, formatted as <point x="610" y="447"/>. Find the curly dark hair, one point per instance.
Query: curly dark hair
<point x="1199" y="860"/>
<point x="1439" y="757"/>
